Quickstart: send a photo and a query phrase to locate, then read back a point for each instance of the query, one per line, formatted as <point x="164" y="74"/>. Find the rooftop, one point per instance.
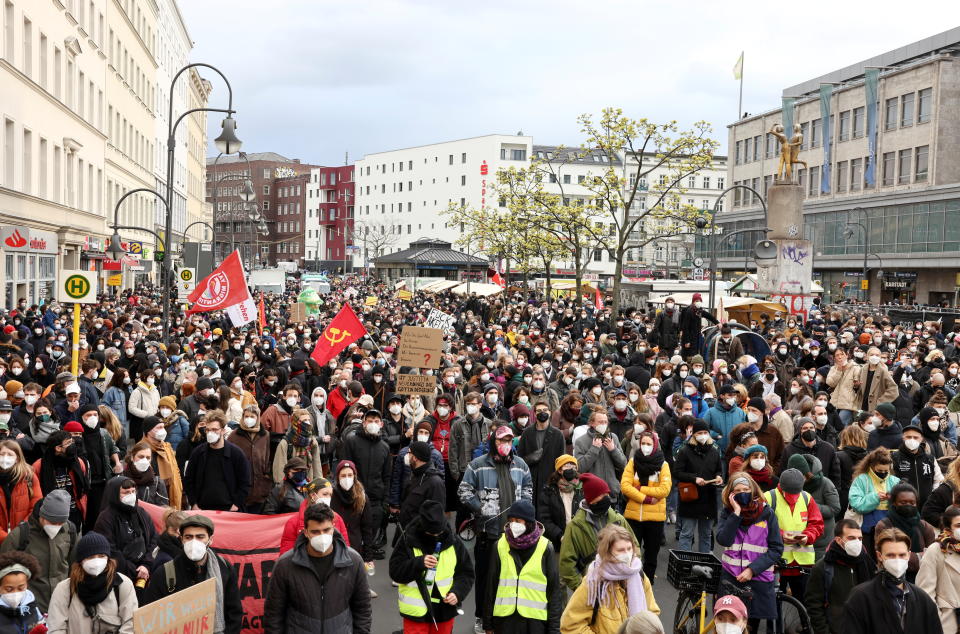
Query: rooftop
<point x="430" y="251"/>
<point x="253" y="156"/>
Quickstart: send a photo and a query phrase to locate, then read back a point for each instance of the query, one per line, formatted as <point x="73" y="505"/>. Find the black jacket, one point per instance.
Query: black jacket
<point x="550" y="512"/>
<point x="425" y="483"/>
<point x="916" y="468"/>
<point x="360" y="525"/>
<point x="129" y="530"/>
<point x="871" y="610"/>
<point x="372" y="457"/>
<point x="848" y="457"/>
<point x="699" y="461"/>
<point x="236" y="476"/>
<point x="188" y="574"/>
<point x="825" y="602"/>
<point x="297" y="603"/>
<point x="540" y="459"/>
<point x="937" y="502"/>
<point x="516" y="624"/>
<point x="405" y="567"/>
<point x="284" y="498"/>
<point x="666" y="331"/>
<point x="824" y="451"/>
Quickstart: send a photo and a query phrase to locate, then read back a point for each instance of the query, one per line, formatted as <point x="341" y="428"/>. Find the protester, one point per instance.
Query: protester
<point x="645" y="484"/>
<point x="218" y="474"/>
<point x="19" y="487"/>
<point x="904" y="515"/>
<point x="939" y="574"/>
<point x="287" y="496"/>
<point x="254" y="442"/>
<point x="844" y="566"/>
<point x="351" y="503"/>
<point x="19" y="612"/>
<point x="128" y="529"/>
<point x="697" y="472"/>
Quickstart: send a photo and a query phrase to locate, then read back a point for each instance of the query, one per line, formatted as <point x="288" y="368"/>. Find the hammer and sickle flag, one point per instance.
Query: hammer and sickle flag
<point x="342" y="331"/>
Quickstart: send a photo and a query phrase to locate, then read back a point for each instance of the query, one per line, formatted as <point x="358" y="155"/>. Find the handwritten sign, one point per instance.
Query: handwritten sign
<point x="416" y="384"/>
<point x="298" y="313"/>
<point x="441" y="320"/>
<point x="420" y="347"/>
<point x="191" y="610"/>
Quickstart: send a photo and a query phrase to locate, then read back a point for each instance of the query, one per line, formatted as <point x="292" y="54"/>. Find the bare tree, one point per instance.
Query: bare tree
<point x="375" y="237"/>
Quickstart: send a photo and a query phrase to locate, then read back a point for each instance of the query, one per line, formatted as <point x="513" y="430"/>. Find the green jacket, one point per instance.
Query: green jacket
<point x="579" y="544"/>
<point x="54" y="555"/>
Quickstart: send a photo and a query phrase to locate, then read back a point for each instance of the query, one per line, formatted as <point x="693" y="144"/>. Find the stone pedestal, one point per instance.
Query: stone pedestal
<point x="792" y="271"/>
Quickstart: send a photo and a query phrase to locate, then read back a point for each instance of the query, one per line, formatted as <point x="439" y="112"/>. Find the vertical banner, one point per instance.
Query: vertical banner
<point x="826" y="94"/>
<point x="787" y="116"/>
<point x="871" y="77"/>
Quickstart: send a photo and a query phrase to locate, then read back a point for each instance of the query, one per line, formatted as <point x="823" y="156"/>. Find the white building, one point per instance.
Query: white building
<point x="404" y="191"/>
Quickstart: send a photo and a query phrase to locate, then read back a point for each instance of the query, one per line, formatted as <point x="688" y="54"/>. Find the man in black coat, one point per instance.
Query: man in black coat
<point x="218" y="474"/>
<point x="367" y="449"/>
<point x="808" y="442"/>
<point x="691" y="323"/>
<point x="425" y="483"/>
<point x="890" y="603"/>
<point x="666" y="328"/>
<point x="540" y="445"/>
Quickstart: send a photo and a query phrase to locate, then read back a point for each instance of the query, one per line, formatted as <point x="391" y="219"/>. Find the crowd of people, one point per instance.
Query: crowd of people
<point x="541" y="474"/>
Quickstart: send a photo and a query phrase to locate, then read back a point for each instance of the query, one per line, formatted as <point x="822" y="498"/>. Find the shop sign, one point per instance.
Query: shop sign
<point x="20" y="238"/>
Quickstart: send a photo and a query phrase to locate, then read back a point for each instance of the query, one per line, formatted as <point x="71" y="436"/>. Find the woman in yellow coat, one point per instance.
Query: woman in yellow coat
<point x="613" y="589"/>
<point x="646" y="483"/>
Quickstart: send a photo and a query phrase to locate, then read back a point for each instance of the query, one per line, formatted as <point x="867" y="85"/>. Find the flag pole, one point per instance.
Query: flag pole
<point x="740" y="101"/>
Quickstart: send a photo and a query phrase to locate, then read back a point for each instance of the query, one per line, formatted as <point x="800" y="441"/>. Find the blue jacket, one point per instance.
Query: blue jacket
<point x="699" y="406"/>
<point x="480" y="493"/>
<point x="722" y="419"/>
<point x="178" y="430"/>
<point x="116" y="399"/>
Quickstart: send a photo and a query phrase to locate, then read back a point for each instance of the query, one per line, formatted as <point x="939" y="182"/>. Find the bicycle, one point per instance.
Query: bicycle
<point x="792" y="617"/>
<point x="695" y="575"/>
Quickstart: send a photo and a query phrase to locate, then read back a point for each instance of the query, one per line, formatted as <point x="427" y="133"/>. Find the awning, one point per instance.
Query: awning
<point x="440" y="286"/>
<point x="482" y="289"/>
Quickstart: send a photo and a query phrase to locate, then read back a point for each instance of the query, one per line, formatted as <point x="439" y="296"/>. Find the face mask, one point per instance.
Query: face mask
<point x="940" y="410"/>
<point x="809" y="435"/>
<point x="757" y="464"/>
<point x="522" y="420"/>
<point x="624" y="558"/>
<point x="141" y="465"/>
<point x="911" y="443"/>
<point x="52" y="530"/>
<point x="321" y="543"/>
<point x="129" y="499"/>
<point x="601" y="429"/>
<point x="195" y="550"/>
<point x="896" y="568"/>
<point x="822" y="420"/>
<point x="91" y="421"/>
<point x="869" y="427"/>
<point x="689" y="390"/>
<point x="730" y="401"/>
<point x="727" y="628"/>
<point x="934" y="425"/>
<point x="372" y="428"/>
<point x="743" y="498"/>
<point x="794" y="390"/>
<point x="213" y="437"/>
<point x="504" y="450"/>
<point x="324" y="501"/>
<point x="7" y="461"/>
<point x="346" y="483"/>
<point x="249" y="421"/>
<point x="702" y="438"/>
<point x="646" y="449"/>
<point x="597" y="390"/>
<point x="160" y="434"/>
<point x="518" y="528"/>
<point x="13" y="599"/>
<point x="601" y="506"/>
<point x="832" y="346"/>
<point x="620" y="405"/>
<point x="30" y="399"/>
<point x="292" y="401"/>
<point x="753" y="417"/>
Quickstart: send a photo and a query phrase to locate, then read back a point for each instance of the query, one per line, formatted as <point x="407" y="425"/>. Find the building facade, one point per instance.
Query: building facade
<point x="906" y="215"/>
<point x="330" y="230"/>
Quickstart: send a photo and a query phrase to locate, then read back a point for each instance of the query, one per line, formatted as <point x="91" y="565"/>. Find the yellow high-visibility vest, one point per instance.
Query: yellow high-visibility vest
<point x="525" y="593"/>
<point x="409" y="598"/>
<point x="796" y="520"/>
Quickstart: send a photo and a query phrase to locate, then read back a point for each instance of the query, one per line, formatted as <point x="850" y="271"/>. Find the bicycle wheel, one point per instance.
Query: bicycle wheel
<point x="793" y="616"/>
<point x="686" y="610"/>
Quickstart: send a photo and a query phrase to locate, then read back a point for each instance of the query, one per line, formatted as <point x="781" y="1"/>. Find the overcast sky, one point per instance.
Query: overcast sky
<point x="314" y="79"/>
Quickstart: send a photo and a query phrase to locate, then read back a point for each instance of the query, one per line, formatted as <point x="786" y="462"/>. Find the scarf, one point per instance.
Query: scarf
<point x="213" y="572"/>
<point x="416" y="415"/>
<point x="299" y="436"/>
<point x="646" y="466"/>
<point x="167" y="469"/>
<point x="48" y="473"/>
<point x="172" y="418"/>
<point x="750" y="513"/>
<point x="909" y="524"/>
<point x="140" y="479"/>
<point x="764" y="477"/>
<point x="92" y="591"/>
<point x="602" y="574"/>
<point x="41" y="430"/>
<point x="567" y="487"/>
<point x="947" y="542"/>
<point x="862" y="565"/>
<point x="527" y="540"/>
<point x="505" y="484"/>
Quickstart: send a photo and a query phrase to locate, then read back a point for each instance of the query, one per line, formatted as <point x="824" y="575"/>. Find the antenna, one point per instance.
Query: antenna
<point x="346" y="158"/>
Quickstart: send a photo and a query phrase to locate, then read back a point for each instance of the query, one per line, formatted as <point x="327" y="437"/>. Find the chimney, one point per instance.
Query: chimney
<point x="297" y="161"/>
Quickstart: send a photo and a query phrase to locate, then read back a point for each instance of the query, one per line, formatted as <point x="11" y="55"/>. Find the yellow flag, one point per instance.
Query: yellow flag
<point x="406" y="295"/>
<point x="738" y="67"/>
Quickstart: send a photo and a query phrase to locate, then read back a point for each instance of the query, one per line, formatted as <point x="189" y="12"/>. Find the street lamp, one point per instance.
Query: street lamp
<point x="848" y="233"/>
<point x="227" y="142"/>
<point x="116" y="249"/>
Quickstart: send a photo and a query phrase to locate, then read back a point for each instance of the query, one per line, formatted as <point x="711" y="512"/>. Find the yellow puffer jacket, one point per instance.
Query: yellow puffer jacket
<point x="612" y="613"/>
<point x="657" y="486"/>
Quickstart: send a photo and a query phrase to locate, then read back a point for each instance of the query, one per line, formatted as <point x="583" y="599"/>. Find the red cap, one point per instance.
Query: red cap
<point x="697" y="297"/>
<point x="731" y="604"/>
<point x="73" y="426"/>
<point x="9" y="329"/>
<point x="503" y="432"/>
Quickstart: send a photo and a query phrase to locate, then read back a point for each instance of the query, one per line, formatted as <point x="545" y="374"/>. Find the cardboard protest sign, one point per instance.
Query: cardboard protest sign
<point x="416" y="384"/>
<point x="298" y="313"/>
<point x="441" y="320"/>
<point x="187" y="611"/>
<point x="420" y="347"/>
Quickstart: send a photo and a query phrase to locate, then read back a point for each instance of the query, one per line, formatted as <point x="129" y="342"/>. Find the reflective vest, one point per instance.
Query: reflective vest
<point x="795" y="521"/>
<point x="525" y="593"/>
<point x="749" y="545"/>
<point x="411" y="599"/>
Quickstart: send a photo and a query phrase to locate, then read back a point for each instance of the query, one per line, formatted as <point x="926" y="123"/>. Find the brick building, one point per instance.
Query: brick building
<point x="330" y="219"/>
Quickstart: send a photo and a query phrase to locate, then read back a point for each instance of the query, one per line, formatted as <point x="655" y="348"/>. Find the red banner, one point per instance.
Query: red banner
<point x="225" y="286"/>
<point x="342" y="331"/>
<point x="251" y="544"/>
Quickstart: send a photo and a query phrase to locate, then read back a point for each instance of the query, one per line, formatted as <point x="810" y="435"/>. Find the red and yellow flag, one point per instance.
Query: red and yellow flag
<point x="342" y="331"/>
<point x="262" y="314"/>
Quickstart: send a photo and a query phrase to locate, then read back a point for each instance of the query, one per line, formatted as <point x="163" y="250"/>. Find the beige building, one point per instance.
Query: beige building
<point x="911" y="211"/>
<point x="198" y="210"/>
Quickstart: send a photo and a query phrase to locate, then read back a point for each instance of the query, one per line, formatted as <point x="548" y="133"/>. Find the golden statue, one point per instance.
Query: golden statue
<point x="789" y="151"/>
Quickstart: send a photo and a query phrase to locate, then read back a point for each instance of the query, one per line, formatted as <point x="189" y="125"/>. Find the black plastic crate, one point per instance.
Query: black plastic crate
<point x="679" y="571"/>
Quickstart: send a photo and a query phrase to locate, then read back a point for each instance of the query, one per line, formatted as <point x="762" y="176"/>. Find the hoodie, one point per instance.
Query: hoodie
<point x="129" y="530"/>
<point x="323" y="421"/>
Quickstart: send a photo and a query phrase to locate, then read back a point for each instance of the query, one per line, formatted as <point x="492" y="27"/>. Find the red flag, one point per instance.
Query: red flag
<point x="223" y="288"/>
<point x="597" y="300"/>
<point x="496" y="279"/>
<point x="262" y="314"/>
<point x="342" y="331"/>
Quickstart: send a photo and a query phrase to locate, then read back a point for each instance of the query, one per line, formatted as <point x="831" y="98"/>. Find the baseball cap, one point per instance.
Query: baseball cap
<point x="731" y="604"/>
<point x="503" y="432"/>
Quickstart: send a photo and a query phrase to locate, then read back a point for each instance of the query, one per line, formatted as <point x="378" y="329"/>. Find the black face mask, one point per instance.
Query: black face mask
<point x="905" y="510"/>
<point x="601" y="506"/>
<point x="543" y="416"/>
<point x="809" y="435"/>
<point x="570" y="475"/>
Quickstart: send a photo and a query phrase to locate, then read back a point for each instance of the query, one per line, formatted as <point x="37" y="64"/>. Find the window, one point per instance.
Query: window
<point x="43" y="61"/>
<point x="844" y="129"/>
<point x="451" y="159"/>
<point x="463" y="181"/>
<point x="266" y="172"/>
<point x="924" y="105"/>
<point x="736" y="197"/>
<point x="903" y="176"/>
<point x="42" y="173"/>
<point x="859" y="121"/>
<point x="804" y="130"/>
<point x="57" y="72"/>
<point x="889" y="167"/>
<point x="692" y="182"/>
<point x="922" y="160"/>
<point x="842" y="176"/>
<point x="856" y="174"/>
<point x="815" y="132"/>
<point x="719" y="205"/>
<point x="814" y="181"/>
<point x="771" y="149"/>
<point x="27" y="47"/>
<point x="597" y="254"/>
<point x="463" y="159"/>
<point x="906" y="110"/>
<point x="756" y="148"/>
<point x="706" y="182"/>
<point x="890" y="116"/>
<point x="737" y="154"/>
<point x="566" y="179"/>
<point x="8" y="32"/>
<point x="720" y="182"/>
<point x="8" y="156"/>
<point x="518" y="155"/>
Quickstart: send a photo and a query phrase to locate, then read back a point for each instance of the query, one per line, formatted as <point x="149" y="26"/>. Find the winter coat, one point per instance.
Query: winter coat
<point x="284" y="498"/>
<point x="359" y="524"/>
<point x="188" y="574"/>
<point x="515" y="623"/>
<point x="928" y="534"/>
<point x="763" y="604"/>
<point x="666" y="330"/>
<point x="578" y="547"/>
<point x="276" y="419"/>
<point x="425" y="483"/>
<point x="863" y="498"/>
<point x="69" y="614"/>
<point x="771" y="438"/>
<point x="405" y="567"/>
<point x="844" y="394"/>
<point x="465" y="437"/>
<point x="639" y="494"/>
<point x="601" y="462"/>
<point x="129" y="530"/>
<point x="296" y="602"/>
<point x="883" y="389"/>
<point x="372" y="457"/>
<point x="24" y="496"/>
<point x="284" y="452"/>
<point x="578" y="614"/>
<point x="889" y="437"/>
<point x="54" y="555"/>
<point x="479" y="493"/>
<point x="540" y="459"/>
<point x="823" y="451"/>
<point x="178" y="428"/>
<point x="824" y="493"/>
<point x="939" y="577"/>
<point x="401" y="474"/>
<point x="844" y="579"/>
<point x="551" y="512"/>
<point x="256" y="448"/>
<point x="698" y="461"/>
<point x="943" y="496"/>
<point x="919" y="469"/>
<point x="691" y="323"/>
<point x="723" y="418"/>
<point x="17" y="621"/>
<point x="848" y="457"/>
<point x="236" y="474"/>
<point x="144" y="401"/>
<point x="870" y="610"/>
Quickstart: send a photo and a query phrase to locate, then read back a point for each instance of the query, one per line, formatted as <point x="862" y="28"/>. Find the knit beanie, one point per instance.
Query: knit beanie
<point x="757" y="402"/>
<point x="92" y="544"/>
<point x="593" y="487"/>
<point x="791" y="481"/>
<point x="168" y="401"/>
<point x="522" y="509"/>
<point x="563" y="460"/>
<point x="56" y="506"/>
<point x="421" y="450"/>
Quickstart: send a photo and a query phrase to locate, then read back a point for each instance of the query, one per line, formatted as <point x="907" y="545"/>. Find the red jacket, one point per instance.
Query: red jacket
<point x="441" y="433"/>
<point x="294" y="527"/>
<point x="337" y="402"/>
<point x="22" y="500"/>
<point x="81" y="502"/>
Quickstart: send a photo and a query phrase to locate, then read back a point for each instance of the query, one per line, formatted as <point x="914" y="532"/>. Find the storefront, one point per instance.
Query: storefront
<point x="899" y="287"/>
<point x="29" y="265"/>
